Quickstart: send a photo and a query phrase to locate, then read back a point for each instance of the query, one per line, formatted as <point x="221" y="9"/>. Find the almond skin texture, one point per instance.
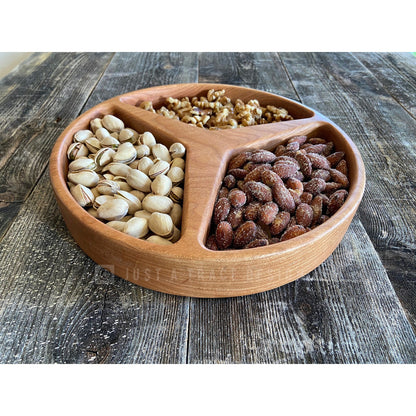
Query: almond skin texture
<point x="239" y="160"/>
<point x="263" y="156"/>
<point x="293" y="232"/>
<point x="280" y="223"/>
<point x="304" y="215"/>
<point x="258" y="242"/>
<point x="283" y="198"/>
<point x="237" y="198"/>
<point x="285" y="170"/>
<point x="224" y="235"/>
<point x="251" y="211"/>
<point x="315" y="186"/>
<point x="244" y="234"/>
<point x="268" y="212"/>
<point x="318" y="161"/>
<point x="221" y="210"/>
<point x="236" y="217"/>
<point x="259" y="191"/>
<point x="304" y="163"/>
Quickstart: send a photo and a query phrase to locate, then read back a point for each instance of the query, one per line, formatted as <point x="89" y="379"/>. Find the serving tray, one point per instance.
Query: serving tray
<point x="187" y="267"/>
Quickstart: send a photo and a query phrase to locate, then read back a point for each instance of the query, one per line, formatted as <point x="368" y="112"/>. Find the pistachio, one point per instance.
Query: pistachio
<point x="117" y="225"/>
<point x="101" y="133"/>
<point x="138" y="194"/>
<point x="176" y="235"/>
<point x="177" y="150"/>
<point x="82" y="195"/>
<point x="76" y="150"/>
<point x="176" y="175"/>
<point x="104" y="156"/>
<point x="157" y="203"/>
<point x="95" y="124"/>
<point x="133" y="202"/>
<point x="176" y="214"/>
<point x="142" y="150"/>
<point x="81" y="135"/>
<point x="113" y="210"/>
<point x="124" y="186"/>
<point x="161" y="224"/>
<point x="147" y="138"/>
<point x="161" y="185"/>
<point x="137" y="227"/>
<point x="144" y="164"/>
<point x="176" y="194"/>
<point x="108" y="176"/>
<point x="159" y="240"/>
<point x="112" y="123"/>
<point x="93" y="144"/>
<point x="114" y="134"/>
<point x="142" y="213"/>
<point x="133" y="165"/>
<point x="93" y="212"/>
<point x="159" y="168"/>
<point x="128" y="135"/>
<point x="138" y="180"/>
<point x="178" y="162"/>
<point x="82" y="163"/>
<point x="84" y="177"/>
<point x="95" y="192"/>
<point x="126" y="153"/>
<point x="126" y="218"/>
<point x="110" y="141"/>
<point x="118" y="169"/>
<point x="107" y="187"/>
<point x="160" y="151"/>
<point x="101" y="199"/>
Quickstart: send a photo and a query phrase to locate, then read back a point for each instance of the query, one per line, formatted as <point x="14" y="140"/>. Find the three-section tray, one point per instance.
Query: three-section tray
<point x="187" y="267"/>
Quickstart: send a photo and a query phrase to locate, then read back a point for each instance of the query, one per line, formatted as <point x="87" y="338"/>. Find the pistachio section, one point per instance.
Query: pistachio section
<point x="128" y="180"/>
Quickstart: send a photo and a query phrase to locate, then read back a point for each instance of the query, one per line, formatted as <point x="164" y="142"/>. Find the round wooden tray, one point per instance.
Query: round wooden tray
<point x="187" y="267"/>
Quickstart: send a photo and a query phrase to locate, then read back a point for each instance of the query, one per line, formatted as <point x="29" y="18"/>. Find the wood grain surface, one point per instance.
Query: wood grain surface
<point x="57" y="306"/>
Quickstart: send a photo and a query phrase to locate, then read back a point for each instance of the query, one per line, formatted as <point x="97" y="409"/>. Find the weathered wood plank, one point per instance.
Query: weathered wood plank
<point x="133" y="71"/>
<point x="76" y="311"/>
<point x="342" y="312"/>
<point x="58" y="306"/>
<point x="36" y="104"/>
<point x="259" y="70"/>
<point x="310" y="320"/>
<point x="397" y="73"/>
<point x="346" y="91"/>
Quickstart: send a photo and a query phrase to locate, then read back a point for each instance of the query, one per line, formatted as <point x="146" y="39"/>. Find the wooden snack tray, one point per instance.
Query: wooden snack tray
<point x="187" y="267"/>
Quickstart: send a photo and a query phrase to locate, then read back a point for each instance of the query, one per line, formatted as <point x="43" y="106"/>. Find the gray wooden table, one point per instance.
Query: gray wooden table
<point x="58" y="306"/>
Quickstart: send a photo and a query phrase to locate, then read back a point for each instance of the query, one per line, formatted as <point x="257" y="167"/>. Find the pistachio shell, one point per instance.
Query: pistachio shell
<point x="77" y="150"/>
<point x="95" y="192"/>
<point x="178" y="162"/>
<point x="114" y="134"/>
<point x="87" y="178"/>
<point x="134" y="202"/>
<point x="138" y="194"/>
<point x="113" y="210"/>
<point x="82" y="163"/>
<point x="144" y="164"/>
<point x="159" y="168"/>
<point x="102" y="199"/>
<point x="137" y="227"/>
<point x="161" y="152"/>
<point x="93" y="212"/>
<point x="128" y="135"/>
<point x="118" y="169"/>
<point x="107" y="187"/>
<point x="159" y="240"/>
<point x="82" y="195"/>
<point x="176" y="235"/>
<point x="95" y="124"/>
<point x="117" y="225"/>
<point x="142" y="150"/>
<point x="147" y="138"/>
<point x="133" y="165"/>
<point x="112" y="123"/>
<point x="142" y="213"/>
<point x="176" y="215"/>
<point x="93" y="144"/>
<point x="138" y="180"/>
<point x="110" y="141"/>
<point x="161" y="224"/>
<point x="157" y="203"/>
<point x="126" y="153"/>
<point x="176" y="175"/>
<point x="81" y="135"/>
<point x="161" y="185"/>
<point x="176" y="194"/>
<point x="124" y="186"/>
<point x="101" y="133"/>
<point x="177" y="150"/>
<point x="104" y="156"/>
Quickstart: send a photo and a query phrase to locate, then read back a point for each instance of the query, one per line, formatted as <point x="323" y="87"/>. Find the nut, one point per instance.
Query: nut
<point x="113" y="210"/>
<point x="112" y="123"/>
<point x="161" y="224"/>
